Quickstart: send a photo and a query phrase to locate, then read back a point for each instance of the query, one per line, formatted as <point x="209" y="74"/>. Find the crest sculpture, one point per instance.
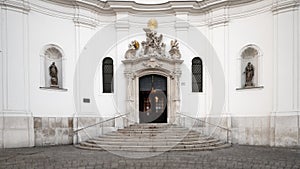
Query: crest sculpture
<point x="153" y="45"/>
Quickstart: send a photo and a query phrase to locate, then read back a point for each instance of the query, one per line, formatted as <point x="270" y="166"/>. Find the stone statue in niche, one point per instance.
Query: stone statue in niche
<point x="249" y="72"/>
<point x="174" y="51"/>
<point x="131" y="52"/>
<point x="53" y="74"/>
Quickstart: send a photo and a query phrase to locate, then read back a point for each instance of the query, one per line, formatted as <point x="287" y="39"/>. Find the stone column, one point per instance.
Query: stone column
<point x="176" y="96"/>
<point x="130" y="108"/>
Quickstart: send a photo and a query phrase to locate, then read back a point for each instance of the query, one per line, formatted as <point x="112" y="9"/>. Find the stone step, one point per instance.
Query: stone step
<point x="211" y="148"/>
<point x="159" y="136"/>
<point x="147" y="148"/>
<point x="161" y="127"/>
<point x="147" y="142"/>
<point x="152" y="138"/>
<point x="154" y="130"/>
<point x="163" y="141"/>
<point x="154" y="134"/>
<point x="160" y="131"/>
<point x="123" y="146"/>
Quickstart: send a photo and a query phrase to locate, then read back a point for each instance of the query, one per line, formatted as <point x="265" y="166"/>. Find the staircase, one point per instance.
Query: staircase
<point x="153" y="138"/>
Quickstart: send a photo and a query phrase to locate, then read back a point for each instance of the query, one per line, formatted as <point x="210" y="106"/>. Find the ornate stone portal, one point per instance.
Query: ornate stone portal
<point x="152" y="59"/>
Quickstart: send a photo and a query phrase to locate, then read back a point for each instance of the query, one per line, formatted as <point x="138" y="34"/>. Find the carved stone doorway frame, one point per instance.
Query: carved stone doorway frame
<point x="142" y="66"/>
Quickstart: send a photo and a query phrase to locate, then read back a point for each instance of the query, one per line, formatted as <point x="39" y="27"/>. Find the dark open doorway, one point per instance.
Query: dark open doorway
<point x="153" y="99"/>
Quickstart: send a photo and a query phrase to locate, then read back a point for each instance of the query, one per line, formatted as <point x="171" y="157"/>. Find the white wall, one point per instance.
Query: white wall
<point x="46" y="30"/>
<point x="257" y="30"/>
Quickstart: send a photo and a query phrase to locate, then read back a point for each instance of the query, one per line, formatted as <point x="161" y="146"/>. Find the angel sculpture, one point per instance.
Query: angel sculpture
<point x="174" y="51"/>
<point x="131" y="52"/>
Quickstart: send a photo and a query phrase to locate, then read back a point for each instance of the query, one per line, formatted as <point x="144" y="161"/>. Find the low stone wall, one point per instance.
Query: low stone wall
<point x="285" y="130"/>
<point x="93" y="131"/>
<point x="16" y="132"/>
<point x="250" y="130"/>
<point x="272" y="130"/>
<point x="53" y="130"/>
<point x="212" y="126"/>
<point x="267" y="130"/>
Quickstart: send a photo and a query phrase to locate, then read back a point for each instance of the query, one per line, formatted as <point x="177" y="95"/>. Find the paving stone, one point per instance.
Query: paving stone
<point x="235" y="157"/>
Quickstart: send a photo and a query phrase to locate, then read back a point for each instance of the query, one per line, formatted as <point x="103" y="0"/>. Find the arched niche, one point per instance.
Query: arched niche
<point x="250" y="59"/>
<point x="52" y="57"/>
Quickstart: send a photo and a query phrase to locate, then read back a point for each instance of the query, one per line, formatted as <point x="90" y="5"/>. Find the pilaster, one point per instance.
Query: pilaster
<point x="122" y="30"/>
<point x="286" y="39"/>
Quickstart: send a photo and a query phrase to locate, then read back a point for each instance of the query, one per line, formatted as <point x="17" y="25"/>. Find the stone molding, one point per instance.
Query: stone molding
<point x="109" y="7"/>
<point x="89" y="13"/>
<point x="92" y="13"/>
<point x="16" y="5"/>
<point x="284" y="6"/>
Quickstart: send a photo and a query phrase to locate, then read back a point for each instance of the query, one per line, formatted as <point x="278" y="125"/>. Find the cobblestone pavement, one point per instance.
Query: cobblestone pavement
<point x="71" y="157"/>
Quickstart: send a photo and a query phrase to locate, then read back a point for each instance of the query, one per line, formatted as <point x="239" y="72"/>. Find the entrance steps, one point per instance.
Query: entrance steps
<point x="153" y="138"/>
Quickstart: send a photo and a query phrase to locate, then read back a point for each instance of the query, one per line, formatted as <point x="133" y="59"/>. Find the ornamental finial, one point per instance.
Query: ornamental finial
<point x="152" y="24"/>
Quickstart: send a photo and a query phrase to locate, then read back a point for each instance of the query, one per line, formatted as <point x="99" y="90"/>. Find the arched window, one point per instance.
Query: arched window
<point x="107" y="74"/>
<point x="249" y="66"/>
<point x="197" y="75"/>
<point x="52" y="67"/>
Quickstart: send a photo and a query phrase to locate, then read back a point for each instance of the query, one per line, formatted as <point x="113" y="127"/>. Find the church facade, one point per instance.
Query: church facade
<point x="72" y="70"/>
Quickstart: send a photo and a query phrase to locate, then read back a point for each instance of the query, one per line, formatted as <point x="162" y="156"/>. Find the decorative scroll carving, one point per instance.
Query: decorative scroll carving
<point x="152" y="63"/>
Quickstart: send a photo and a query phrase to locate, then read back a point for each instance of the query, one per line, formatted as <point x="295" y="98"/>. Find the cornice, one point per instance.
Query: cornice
<point x="163" y="8"/>
<point x="208" y="5"/>
<point x="93" y="5"/>
<point x="16" y="5"/>
<point x="89" y="12"/>
<point x="285" y="5"/>
<point x="112" y="6"/>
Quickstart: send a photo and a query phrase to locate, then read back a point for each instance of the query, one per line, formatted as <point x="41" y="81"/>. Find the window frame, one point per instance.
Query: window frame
<point x="195" y="80"/>
<point x="105" y="81"/>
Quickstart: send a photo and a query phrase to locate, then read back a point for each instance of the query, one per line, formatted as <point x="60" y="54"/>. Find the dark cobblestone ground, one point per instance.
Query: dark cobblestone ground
<point x="71" y="157"/>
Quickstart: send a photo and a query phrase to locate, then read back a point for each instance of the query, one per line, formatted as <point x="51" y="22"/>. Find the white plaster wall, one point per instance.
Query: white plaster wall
<point x="298" y="96"/>
<point x="14" y="57"/>
<point x="257" y="30"/>
<point x="1" y="60"/>
<point x="285" y="34"/>
<point x="46" y="30"/>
